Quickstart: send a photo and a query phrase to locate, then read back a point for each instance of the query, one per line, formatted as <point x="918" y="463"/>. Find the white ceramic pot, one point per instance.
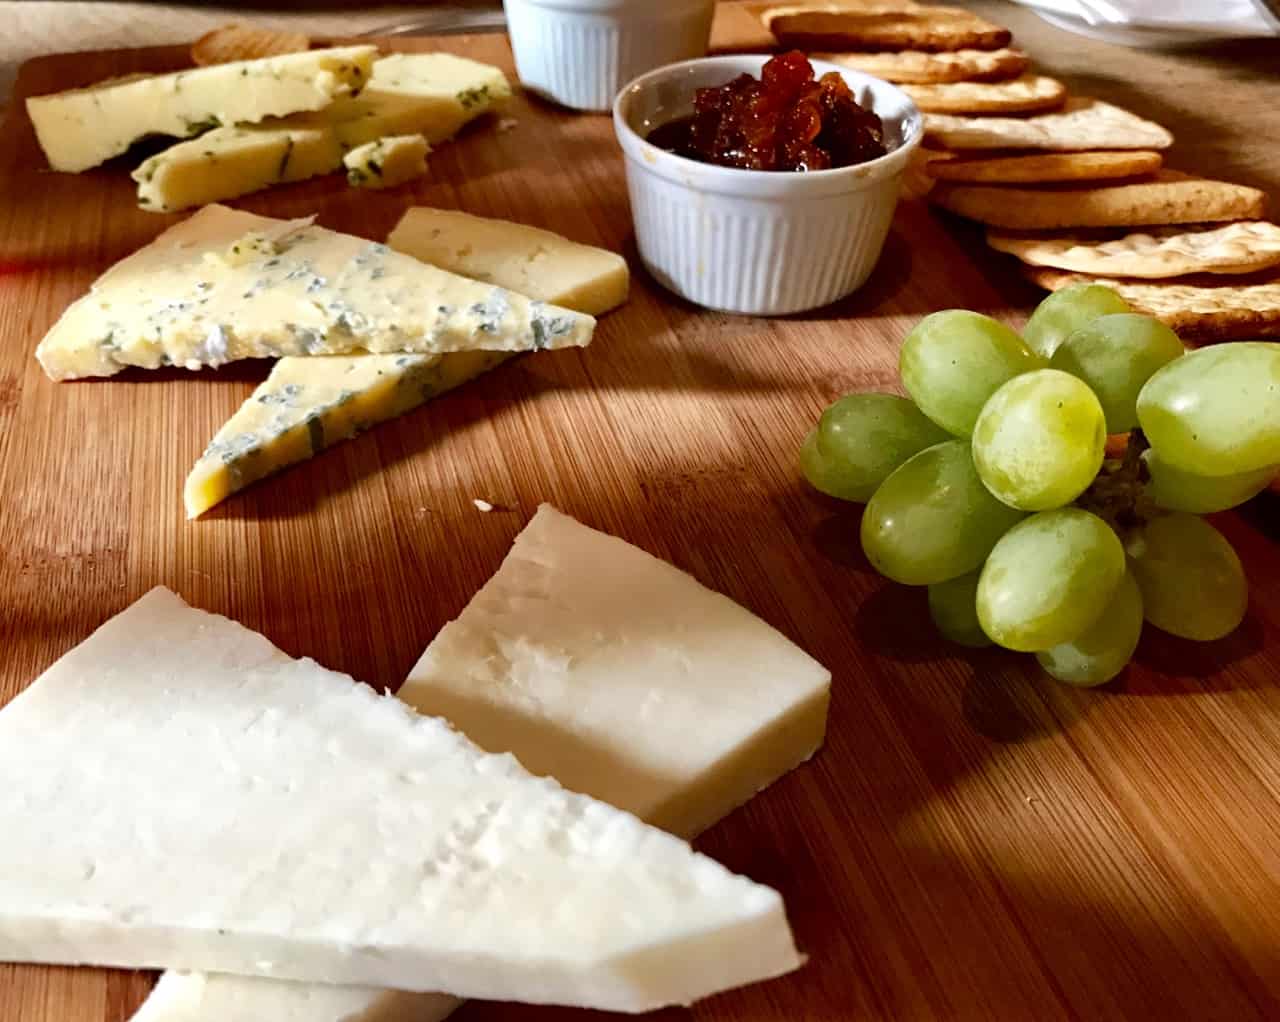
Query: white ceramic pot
<point x="581" y="52"/>
<point x="758" y="242"/>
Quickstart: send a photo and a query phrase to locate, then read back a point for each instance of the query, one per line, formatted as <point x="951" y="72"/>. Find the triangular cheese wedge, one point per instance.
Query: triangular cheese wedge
<point x="590" y="668"/>
<point x="180" y="793"/>
<point x="308" y="404"/>
<point x="226" y="285"/>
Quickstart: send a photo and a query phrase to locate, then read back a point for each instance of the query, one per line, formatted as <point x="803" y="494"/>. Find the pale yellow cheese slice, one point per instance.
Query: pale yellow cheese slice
<point x="605" y="668"/>
<point x="308" y="404"/>
<point x="428" y="94"/>
<point x="388" y="162"/>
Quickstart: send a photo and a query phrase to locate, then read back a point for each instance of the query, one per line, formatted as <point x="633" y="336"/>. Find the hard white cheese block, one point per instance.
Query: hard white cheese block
<point x="81" y="128"/>
<point x="310" y="403"/>
<point x="387" y="162"/>
<point x="225" y="285"/>
<point x="533" y="716"/>
<point x="179" y="793"/>
<point x="428" y="94"/>
<point x="525" y="259"/>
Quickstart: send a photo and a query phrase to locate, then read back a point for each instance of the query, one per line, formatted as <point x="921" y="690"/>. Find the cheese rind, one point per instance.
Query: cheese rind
<point x="82" y="128"/>
<point x="387" y="162"/>
<point x="528" y="260"/>
<point x="205" y="293"/>
<point x="179" y="793"/>
<point x="428" y="94"/>
<point x="534" y="715"/>
<point x="308" y="404"/>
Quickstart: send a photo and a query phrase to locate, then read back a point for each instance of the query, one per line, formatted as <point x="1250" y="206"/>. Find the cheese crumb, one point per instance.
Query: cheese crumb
<point x="482" y="505"/>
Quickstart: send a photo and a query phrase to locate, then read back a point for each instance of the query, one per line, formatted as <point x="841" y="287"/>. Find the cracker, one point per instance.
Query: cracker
<point x="916" y="67"/>
<point x="1027" y="93"/>
<point x="1048" y="168"/>
<point x="1169" y="199"/>
<point x="1154" y="252"/>
<point x="1197" y="311"/>
<point x="838" y="27"/>
<point x="1082" y="123"/>
<point x="242" y="41"/>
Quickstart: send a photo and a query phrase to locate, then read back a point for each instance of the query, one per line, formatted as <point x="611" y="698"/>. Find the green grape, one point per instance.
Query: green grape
<point x="954" y="609"/>
<point x="1115" y="355"/>
<point x="1176" y="490"/>
<point x="860" y="440"/>
<point x="1066" y="311"/>
<point x="1100" y="652"/>
<point x="1049" y="579"/>
<point x="1191" y="579"/>
<point x="1216" y="411"/>
<point x="954" y="360"/>
<point x="1040" y="440"/>
<point x="933" y="520"/>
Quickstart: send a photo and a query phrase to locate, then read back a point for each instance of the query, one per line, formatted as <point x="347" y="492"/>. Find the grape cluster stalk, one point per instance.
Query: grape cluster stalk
<point x="992" y="485"/>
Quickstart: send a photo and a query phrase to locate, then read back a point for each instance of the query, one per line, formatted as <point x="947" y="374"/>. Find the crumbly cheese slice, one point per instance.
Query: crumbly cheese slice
<point x="81" y="128"/>
<point x="679" y="705"/>
<point x="226" y="284"/>
<point x="388" y="162"/>
<point x="179" y="793"/>
<point x="525" y="259"/>
<point x="308" y="404"/>
<point x="428" y="94"/>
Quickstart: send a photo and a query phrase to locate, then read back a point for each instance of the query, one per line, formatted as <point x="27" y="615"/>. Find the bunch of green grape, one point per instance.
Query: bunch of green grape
<point x="992" y="487"/>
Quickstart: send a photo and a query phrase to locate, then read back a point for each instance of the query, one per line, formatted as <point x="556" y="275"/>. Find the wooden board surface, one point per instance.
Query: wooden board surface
<point x="974" y="842"/>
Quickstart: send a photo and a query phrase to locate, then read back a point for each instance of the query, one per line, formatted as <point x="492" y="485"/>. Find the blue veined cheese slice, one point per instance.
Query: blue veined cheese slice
<point x="428" y="94"/>
<point x="388" y="162"/>
<point x="82" y="128"/>
<point x="226" y="285"/>
<point x="308" y="404"/>
<point x="580" y="634"/>
<point x="180" y="793"/>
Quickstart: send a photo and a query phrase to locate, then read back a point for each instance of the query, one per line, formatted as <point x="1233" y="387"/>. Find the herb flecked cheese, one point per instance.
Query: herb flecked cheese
<point x="82" y="128"/>
<point x="308" y="404"/>
<point x="428" y="94"/>
<point x="226" y="285"/>
<point x="387" y="162"/>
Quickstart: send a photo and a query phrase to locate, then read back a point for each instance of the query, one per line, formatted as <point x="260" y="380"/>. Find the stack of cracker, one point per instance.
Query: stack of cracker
<point x="1072" y="186"/>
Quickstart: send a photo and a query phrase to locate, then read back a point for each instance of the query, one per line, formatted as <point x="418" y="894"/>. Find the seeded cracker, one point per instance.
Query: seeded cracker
<point x="1199" y="311"/>
<point x="934" y="29"/>
<point x="1169" y="199"/>
<point x="1152" y="252"/>
<point x="917" y="67"/>
<point x="1026" y="94"/>
<point x="1046" y="168"/>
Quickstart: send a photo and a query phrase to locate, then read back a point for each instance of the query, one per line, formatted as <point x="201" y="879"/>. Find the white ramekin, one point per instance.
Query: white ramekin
<point x="764" y="243"/>
<point x="579" y="53"/>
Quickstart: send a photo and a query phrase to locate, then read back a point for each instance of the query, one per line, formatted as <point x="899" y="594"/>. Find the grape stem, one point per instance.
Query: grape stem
<point x="1119" y="494"/>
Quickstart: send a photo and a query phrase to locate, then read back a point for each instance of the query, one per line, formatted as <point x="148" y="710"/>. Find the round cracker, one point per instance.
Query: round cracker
<point x="935" y="29"/>
<point x="918" y="67"/>
<point x="1048" y="168"/>
<point x="1028" y="93"/>
<point x="1083" y="123"/>
<point x="1153" y="252"/>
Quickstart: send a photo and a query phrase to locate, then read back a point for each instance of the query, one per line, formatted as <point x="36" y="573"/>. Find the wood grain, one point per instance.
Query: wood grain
<point x="975" y="842"/>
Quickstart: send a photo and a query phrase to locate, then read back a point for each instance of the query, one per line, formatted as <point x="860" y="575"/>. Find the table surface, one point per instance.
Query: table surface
<point x="974" y="841"/>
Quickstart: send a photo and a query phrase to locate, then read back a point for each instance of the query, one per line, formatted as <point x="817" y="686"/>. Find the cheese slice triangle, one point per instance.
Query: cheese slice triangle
<point x="180" y="793"/>
<point x="727" y="707"/>
<point x="225" y="284"/>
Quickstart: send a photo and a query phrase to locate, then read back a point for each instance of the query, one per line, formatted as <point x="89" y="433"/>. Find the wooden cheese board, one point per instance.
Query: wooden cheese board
<point x="974" y="841"/>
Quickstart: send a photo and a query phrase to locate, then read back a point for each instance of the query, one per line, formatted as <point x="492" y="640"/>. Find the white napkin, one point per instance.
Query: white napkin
<point x="1211" y="17"/>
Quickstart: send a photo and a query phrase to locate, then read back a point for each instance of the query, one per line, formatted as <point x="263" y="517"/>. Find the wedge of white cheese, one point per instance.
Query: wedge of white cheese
<point x="311" y="403"/>
<point x="387" y="162"/>
<point x="527" y="260"/>
<point x="225" y="285"/>
<point x="179" y="793"/>
<point x="680" y="705"/>
<point x="428" y="94"/>
<point x="82" y="128"/>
